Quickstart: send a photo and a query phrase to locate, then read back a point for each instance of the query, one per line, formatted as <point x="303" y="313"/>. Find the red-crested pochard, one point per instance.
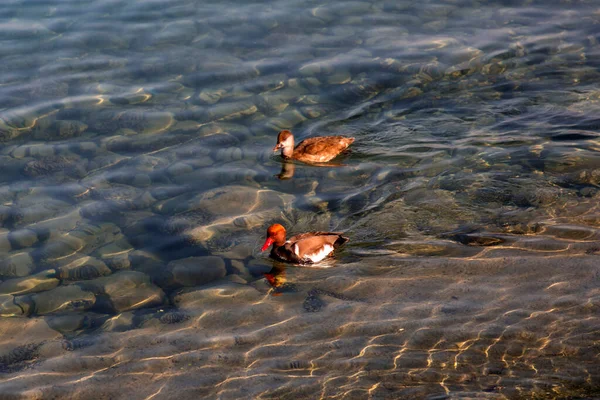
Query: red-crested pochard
<point x="312" y="150"/>
<point x="305" y="248"/>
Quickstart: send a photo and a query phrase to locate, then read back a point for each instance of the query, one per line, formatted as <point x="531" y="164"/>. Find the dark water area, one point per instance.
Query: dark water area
<point x="138" y="179"/>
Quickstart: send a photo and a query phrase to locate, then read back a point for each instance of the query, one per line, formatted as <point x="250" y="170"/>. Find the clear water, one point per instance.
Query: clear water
<point x="138" y="181"/>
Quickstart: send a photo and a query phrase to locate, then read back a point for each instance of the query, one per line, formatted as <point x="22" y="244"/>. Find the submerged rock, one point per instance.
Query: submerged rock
<point x="71" y="322"/>
<point x="226" y="201"/>
<point x="145" y="122"/>
<point x="77" y="343"/>
<point x="59" y="250"/>
<point x="85" y="268"/>
<point x="39" y="209"/>
<point x="211" y="96"/>
<point x="63" y="298"/>
<point x="220" y="295"/>
<point x="22" y="238"/>
<point x="60" y="130"/>
<point x="39" y="282"/>
<point x="221" y="212"/>
<point x="45" y="166"/>
<point x="5" y="245"/>
<point x="10" y="307"/>
<point x="174" y="317"/>
<point x="230" y="111"/>
<point x="19" y="358"/>
<point x="196" y="271"/>
<point x="125" y="290"/>
<point x="116" y="254"/>
<point x="16" y="265"/>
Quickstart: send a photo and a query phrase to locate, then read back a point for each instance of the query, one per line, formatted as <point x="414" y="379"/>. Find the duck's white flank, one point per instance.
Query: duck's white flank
<point x="319" y="255"/>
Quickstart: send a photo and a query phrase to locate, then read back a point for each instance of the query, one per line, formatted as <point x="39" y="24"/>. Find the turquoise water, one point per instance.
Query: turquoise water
<point x="138" y="182"/>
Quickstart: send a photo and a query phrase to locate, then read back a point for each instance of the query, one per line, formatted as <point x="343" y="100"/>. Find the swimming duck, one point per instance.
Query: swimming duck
<point x="312" y="150"/>
<point x="305" y="248"/>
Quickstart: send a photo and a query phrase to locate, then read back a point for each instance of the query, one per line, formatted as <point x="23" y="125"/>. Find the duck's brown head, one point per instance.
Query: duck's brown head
<point x="275" y="235"/>
<point x="285" y="142"/>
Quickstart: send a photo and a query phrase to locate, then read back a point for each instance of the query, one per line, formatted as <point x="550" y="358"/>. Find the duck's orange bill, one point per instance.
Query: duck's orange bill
<point x="268" y="242"/>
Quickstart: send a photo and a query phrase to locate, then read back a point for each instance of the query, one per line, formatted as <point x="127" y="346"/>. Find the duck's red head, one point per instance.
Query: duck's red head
<point x="275" y="235"/>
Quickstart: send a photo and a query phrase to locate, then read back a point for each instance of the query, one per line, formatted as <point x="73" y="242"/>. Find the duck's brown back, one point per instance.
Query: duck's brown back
<point x="311" y="242"/>
<point x="321" y="149"/>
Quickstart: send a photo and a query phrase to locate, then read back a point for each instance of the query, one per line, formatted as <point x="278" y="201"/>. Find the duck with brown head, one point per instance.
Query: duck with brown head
<point x="305" y="248"/>
<point x="318" y="149"/>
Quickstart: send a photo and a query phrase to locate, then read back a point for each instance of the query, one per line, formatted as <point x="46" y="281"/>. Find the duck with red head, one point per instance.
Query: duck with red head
<point x="318" y="149"/>
<point x="305" y="248"/>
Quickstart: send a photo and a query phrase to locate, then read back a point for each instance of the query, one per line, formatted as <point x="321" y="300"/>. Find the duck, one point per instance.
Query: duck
<point x="318" y="149"/>
<point x="305" y="248"/>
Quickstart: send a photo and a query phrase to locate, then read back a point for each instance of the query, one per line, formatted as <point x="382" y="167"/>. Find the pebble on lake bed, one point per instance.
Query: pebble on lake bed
<point x="123" y="291"/>
<point x="196" y="271"/>
<point x="18" y="264"/>
<point x="39" y="282"/>
<point x="85" y="268"/>
<point x="62" y="298"/>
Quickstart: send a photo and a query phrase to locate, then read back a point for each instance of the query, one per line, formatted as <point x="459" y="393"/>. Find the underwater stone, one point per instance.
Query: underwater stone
<point x="59" y="130"/>
<point x="174" y="317"/>
<point x="10" y="308"/>
<point x="227" y="111"/>
<point x="54" y="227"/>
<point x="64" y="246"/>
<point x="22" y="238"/>
<point x="16" y="265"/>
<point x="118" y="262"/>
<point x="5" y="245"/>
<point x="180" y="168"/>
<point x="238" y="268"/>
<point x="89" y="232"/>
<point x="229" y="154"/>
<point x="221" y="295"/>
<point x="177" y="32"/>
<point x="313" y="111"/>
<point x="120" y="247"/>
<point x="275" y="102"/>
<point x="67" y="323"/>
<point x="146" y="262"/>
<point x="235" y="279"/>
<point x="85" y="268"/>
<point x="63" y="298"/>
<point x="131" y="98"/>
<point x="316" y="68"/>
<point x="227" y="201"/>
<point x="125" y="290"/>
<point x="45" y="166"/>
<point x="35" y="150"/>
<point x="196" y="271"/>
<point x="39" y="282"/>
<point x="8" y="133"/>
<point x="146" y="122"/>
<point x="238" y="131"/>
<point x="339" y="78"/>
<point x="141" y="180"/>
<point x="286" y="120"/>
<point x="211" y="96"/>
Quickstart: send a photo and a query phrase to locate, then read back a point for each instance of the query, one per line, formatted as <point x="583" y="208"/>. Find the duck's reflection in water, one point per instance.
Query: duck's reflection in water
<point x="278" y="280"/>
<point x="287" y="170"/>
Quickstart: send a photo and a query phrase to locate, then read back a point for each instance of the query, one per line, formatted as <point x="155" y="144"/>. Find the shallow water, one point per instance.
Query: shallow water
<point x="138" y="180"/>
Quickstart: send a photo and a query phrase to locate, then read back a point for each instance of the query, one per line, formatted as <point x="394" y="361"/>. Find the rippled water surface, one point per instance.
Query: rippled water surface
<point x="137" y="182"/>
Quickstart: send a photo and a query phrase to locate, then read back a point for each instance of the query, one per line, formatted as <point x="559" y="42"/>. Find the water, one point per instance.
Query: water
<point x="138" y="182"/>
